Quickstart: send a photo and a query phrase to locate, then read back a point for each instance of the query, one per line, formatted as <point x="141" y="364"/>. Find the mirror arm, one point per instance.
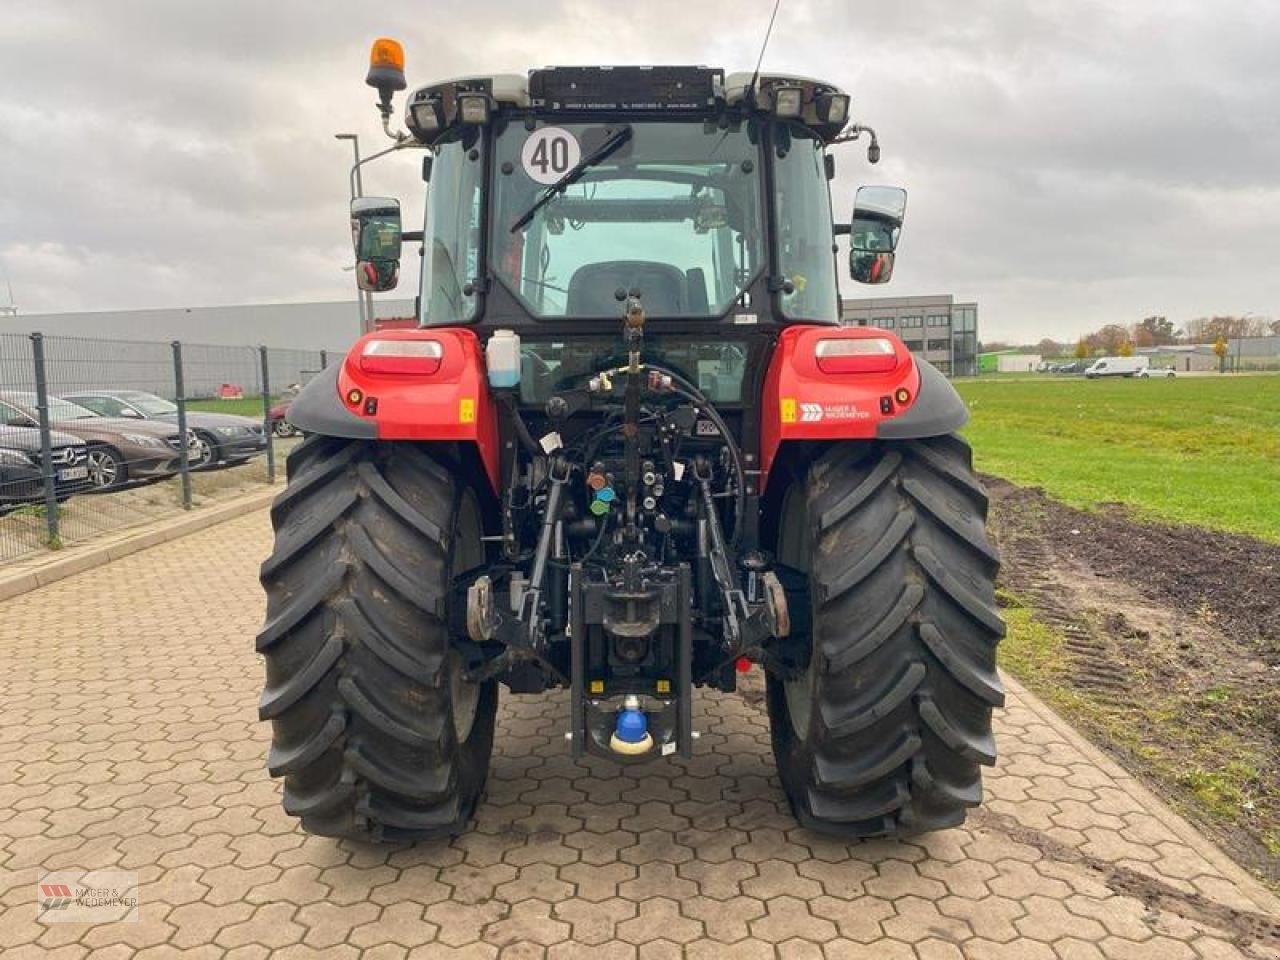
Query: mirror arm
<point x="399" y="136"/>
<point x="411" y="236"/>
<point x="406" y="144"/>
<point x="855" y="132"/>
<point x="841" y="229"/>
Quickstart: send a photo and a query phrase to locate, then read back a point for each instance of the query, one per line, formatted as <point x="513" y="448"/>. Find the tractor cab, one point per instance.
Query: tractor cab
<point x="552" y="191"/>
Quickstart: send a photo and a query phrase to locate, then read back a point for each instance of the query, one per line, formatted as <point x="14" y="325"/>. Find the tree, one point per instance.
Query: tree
<point x="1110" y="337"/>
<point x="1154" y="332"/>
<point x="1210" y="329"/>
<point x="1049" y="348"/>
<point x="1126" y="349"/>
<point x="1220" y="348"/>
<point x="1082" y="349"/>
<point x="1274" y="327"/>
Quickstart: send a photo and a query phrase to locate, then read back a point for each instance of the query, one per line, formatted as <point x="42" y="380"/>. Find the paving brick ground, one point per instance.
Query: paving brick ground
<point x="129" y="741"/>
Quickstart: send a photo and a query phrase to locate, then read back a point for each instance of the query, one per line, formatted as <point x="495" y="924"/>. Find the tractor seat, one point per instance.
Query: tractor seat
<point x="591" y="288"/>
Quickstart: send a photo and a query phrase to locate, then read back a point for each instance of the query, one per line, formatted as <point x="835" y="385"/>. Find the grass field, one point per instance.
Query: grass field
<point x="1197" y="450"/>
<point x="248" y="407"/>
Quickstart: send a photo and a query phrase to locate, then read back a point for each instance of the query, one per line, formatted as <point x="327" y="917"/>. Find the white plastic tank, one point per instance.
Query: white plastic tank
<point x="502" y="357"/>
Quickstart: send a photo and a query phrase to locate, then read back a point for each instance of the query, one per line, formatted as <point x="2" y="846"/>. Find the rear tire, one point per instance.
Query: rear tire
<point x="886" y="730"/>
<point x="374" y="731"/>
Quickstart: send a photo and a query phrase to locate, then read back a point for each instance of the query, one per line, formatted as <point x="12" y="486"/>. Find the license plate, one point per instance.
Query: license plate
<point x="74" y="473"/>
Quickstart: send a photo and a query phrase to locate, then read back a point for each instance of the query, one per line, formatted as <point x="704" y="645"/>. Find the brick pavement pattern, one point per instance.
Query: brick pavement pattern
<point x="130" y="741"/>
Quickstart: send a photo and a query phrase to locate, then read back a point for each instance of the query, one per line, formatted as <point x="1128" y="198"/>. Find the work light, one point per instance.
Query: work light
<point x="426" y="117"/>
<point x="473" y="108"/>
<point x="833" y="108"/>
<point x="788" y="102"/>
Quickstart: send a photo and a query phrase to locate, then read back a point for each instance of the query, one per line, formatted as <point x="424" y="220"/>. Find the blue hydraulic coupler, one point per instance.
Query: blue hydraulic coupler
<point x="632" y="726"/>
<point x="631" y="733"/>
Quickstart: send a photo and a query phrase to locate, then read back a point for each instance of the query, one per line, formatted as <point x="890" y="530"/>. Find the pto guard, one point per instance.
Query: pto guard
<point x="451" y="402"/>
<point x="801" y="401"/>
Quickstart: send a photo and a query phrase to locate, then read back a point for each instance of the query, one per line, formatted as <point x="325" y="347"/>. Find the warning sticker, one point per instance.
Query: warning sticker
<point x="467" y="410"/>
<point x="549" y="154"/>
<point x="788" y="407"/>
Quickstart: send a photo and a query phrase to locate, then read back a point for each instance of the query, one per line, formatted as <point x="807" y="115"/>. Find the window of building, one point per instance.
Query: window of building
<point x="909" y="322"/>
<point x="939" y="320"/>
<point x="943" y="366"/>
<point x="944" y="345"/>
<point x="883" y="322"/>
<point x="913" y="343"/>
<point x="965" y="318"/>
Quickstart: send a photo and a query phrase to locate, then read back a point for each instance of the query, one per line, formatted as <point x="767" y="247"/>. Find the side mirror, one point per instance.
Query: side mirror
<point x="878" y="213"/>
<point x="376" y="235"/>
<point x="130" y="413"/>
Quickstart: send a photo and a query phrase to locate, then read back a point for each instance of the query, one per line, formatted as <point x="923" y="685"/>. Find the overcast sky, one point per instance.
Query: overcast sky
<point x="1070" y="163"/>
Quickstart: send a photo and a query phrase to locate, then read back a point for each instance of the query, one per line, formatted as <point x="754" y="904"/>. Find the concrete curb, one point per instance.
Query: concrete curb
<point x="1249" y="885"/>
<point x="33" y="574"/>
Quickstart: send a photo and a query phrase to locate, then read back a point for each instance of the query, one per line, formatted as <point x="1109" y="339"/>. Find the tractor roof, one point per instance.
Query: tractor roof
<point x="660" y="90"/>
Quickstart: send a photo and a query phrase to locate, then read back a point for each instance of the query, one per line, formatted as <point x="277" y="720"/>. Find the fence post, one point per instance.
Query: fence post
<point x="324" y="359"/>
<point x="180" y="388"/>
<point x="266" y="416"/>
<point x="46" y="442"/>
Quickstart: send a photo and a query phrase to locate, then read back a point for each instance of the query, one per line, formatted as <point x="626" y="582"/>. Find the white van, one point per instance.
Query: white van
<point x="1117" y="367"/>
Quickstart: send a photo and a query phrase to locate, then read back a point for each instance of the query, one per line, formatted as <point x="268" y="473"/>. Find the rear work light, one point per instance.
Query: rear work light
<point x="409" y="357"/>
<point x="861" y="355"/>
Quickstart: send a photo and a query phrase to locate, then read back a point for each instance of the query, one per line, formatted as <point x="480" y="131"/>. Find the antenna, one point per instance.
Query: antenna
<point x="9" y="309"/>
<point x="751" y="87"/>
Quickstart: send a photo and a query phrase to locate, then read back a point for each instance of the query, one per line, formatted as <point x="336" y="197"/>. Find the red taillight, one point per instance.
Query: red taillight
<point x="856" y="355"/>
<point x="402" y="357"/>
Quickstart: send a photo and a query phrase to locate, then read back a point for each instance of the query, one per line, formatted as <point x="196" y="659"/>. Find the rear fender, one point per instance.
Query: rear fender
<point x="452" y="403"/>
<point x="803" y="402"/>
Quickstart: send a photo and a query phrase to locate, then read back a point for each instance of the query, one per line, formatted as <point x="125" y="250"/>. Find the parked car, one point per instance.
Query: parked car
<point x="1117" y="367"/>
<point x="278" y="419"/>
<point x="119" y="450"/>
<point x="220" y="437"/>
<point x="22" y="466"/>
<point x="1167" y="372"/>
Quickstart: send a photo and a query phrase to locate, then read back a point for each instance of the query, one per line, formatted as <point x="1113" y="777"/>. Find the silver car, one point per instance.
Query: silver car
<point x="220" y="437"/>
<point x="118" y="450"/>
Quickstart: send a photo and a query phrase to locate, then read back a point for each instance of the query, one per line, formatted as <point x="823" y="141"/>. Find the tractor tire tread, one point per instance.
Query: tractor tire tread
<point x="899" y="697"/>
<point x="356" y="640"/>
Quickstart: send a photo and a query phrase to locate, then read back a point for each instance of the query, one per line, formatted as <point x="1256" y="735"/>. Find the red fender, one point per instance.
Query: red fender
<point x="450" y="402"/>
<point x="849" y="400"/>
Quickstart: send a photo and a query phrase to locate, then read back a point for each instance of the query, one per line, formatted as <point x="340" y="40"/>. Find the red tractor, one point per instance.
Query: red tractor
<point x="627" y="450"/>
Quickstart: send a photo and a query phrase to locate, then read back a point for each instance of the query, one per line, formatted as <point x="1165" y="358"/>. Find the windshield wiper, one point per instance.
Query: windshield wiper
<point x="599" y="155"/>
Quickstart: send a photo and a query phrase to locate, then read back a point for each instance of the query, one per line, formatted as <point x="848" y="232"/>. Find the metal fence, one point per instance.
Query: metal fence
<point x="99" y="435"/>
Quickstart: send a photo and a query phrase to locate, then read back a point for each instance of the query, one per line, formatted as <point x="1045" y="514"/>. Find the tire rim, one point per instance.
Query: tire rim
<point x="464" y="697"/>
<point x="283" y="429"/>
<point x="102" y="468"/>
<point x="204" y="452"/>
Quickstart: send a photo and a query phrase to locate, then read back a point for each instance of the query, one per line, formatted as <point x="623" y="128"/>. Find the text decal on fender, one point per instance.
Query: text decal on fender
<point x="817" y="412"/>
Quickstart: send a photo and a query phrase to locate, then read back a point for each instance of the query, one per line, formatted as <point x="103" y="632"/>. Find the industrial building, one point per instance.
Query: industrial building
<point x="327" y="325"/>
<point x="935" y="328"/>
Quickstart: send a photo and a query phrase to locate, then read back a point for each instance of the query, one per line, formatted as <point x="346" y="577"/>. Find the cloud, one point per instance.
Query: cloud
<point x="1070" y="162"/>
